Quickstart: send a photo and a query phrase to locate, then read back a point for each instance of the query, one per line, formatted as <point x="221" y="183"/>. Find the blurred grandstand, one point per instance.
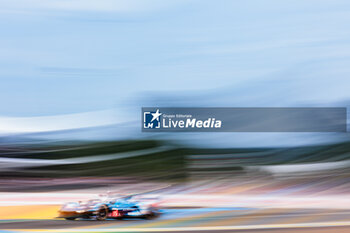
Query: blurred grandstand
<point x="43" y="165"/>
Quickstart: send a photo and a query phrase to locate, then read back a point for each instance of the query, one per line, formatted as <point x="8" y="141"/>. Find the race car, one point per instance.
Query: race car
<point x="111" y="208"/>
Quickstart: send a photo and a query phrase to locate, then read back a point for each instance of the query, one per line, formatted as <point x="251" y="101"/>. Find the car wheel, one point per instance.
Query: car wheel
<point x="102" y="213"/>
<point x="71" y="218"/>
<point x="150" y="216"/>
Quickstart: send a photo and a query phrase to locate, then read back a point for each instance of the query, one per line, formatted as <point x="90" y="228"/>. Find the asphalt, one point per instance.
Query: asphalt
<point x="202" y="219"/>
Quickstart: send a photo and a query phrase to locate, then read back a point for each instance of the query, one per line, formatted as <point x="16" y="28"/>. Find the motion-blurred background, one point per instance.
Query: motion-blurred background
<point x="74" y="75"/>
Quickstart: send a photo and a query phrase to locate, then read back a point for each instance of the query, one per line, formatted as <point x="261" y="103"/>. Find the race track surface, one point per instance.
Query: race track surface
<point x="200" y="219"/>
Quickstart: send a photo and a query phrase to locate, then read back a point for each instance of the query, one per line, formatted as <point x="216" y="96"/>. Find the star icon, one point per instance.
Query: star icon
<point x="156" y="115"/>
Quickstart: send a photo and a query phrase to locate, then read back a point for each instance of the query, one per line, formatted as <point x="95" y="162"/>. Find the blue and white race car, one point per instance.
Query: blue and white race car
<point x="111" y="208"/>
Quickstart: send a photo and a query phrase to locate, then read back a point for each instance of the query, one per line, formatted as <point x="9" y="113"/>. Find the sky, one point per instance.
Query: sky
<point x="66" y="57"/>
